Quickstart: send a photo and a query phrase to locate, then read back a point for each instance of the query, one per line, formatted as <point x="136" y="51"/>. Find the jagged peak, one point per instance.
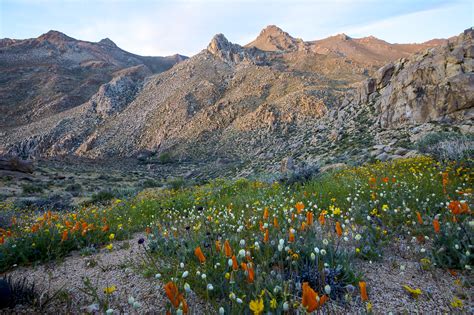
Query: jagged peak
<point x="107" y="42"/>
<point x="343" y="36"/>
<point x="55" y="36"/>
<point x="220" y="43"/>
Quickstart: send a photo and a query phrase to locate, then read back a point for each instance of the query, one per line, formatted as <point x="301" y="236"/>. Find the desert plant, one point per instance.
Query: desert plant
<point x="451" y="146"/>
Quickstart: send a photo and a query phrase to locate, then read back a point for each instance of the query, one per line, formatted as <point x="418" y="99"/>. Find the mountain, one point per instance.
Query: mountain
<point x="249" y="108"/>
<point x="47" y="75"/>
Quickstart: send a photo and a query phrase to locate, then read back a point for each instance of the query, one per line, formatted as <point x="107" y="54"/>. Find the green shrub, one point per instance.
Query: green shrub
<point x="451" y="146"/>
<point x="31" y="188"/>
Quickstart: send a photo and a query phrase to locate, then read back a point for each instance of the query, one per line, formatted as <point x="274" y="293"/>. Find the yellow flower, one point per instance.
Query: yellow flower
<point x="118" y="201"/>
<point x="111" y="236"/>
<point x="109" y="247"/>
<point x="369" y="307"/>
<point x="273" y="303"/>
<point x="457" y="303"/>
<point x="256" y="306"/>
<point x="110" y="290"/>
<point x="227" y="275"/>
<point x="414" y="292"/>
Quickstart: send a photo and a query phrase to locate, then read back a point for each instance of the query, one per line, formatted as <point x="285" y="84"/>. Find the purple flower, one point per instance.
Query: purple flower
<point x="141" y="240"/>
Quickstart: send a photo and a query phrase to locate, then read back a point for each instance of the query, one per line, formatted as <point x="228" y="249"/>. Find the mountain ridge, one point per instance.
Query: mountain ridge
<point x="240" y="103"/>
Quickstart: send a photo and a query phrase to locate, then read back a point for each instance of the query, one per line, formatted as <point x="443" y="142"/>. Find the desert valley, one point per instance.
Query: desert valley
<point x="282" y="176"/>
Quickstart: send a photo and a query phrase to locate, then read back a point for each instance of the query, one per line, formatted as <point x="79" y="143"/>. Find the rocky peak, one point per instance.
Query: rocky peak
<point x="107" y="42"/>
<point x="343" y="36"/>
<point x="227" y="51"/>
<point x="55" y="37"/>
<point x="273" y="38"/>
<point x="219" y="43"/>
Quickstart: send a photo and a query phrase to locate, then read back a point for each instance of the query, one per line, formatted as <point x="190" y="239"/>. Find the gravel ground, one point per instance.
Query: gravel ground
<point x="105" y="268"/>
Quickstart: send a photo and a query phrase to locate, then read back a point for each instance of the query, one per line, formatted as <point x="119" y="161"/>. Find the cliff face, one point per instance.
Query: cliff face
<point x="436" y="85"/>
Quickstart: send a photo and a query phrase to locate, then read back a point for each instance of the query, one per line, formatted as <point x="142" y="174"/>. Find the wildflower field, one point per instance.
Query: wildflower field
<point x="251" y="247"/>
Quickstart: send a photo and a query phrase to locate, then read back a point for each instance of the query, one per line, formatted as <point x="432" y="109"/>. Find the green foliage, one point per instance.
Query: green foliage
<point x="451" y="146"/>
<point x="31" y="188"/>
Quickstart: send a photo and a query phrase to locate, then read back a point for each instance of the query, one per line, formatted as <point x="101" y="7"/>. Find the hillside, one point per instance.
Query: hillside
<point x="248" y="109"/>
<point x="50" y="74"/>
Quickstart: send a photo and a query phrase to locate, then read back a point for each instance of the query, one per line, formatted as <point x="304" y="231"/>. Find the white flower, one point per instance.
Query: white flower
<point x="456" y="246"/>
<point x="242" y="253"/>
<point x="325" y="242"/>
<point x="187" y="287"/>
<point x="316" y="250"/>
<point x="109" y="311"/>
<point x="210" y="287"/>
<point x="229" y="262"/>
<point x="232" y="296"/>
<point x="181" y="265"/>
<point x="282" y="241"/>
<point x="179" y="312"/>
<point x="221" y="311"/>
<point x="313" y="256"/>
<point x="158" y="276"/>
<point x="136" y="305"/>
<point x="257" y="245"/>
<point x="280" y="247"/>
<point x="238" y="300"/>
<point x="422" y="250"/>
<point x="242" y="243"/>
<point x="203" y="276"/>
<point x="358" y="237"/>
<point x="327" y="289"/>
<point x="323" y="252"/>
<point x="131" y="300"/>
<point x="185" y="274"/>
<point x="286" y="307"/>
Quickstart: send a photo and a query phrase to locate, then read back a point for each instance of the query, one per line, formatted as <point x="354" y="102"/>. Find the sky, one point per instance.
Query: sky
<point x="166" y="27"/>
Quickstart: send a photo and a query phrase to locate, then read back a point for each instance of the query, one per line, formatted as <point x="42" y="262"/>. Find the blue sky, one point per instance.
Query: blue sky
<point x="164" y="27"/>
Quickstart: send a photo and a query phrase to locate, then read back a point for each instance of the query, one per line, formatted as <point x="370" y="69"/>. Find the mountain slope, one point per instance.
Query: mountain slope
<point x="54" y="72"/>
<point x="254" y="107"/>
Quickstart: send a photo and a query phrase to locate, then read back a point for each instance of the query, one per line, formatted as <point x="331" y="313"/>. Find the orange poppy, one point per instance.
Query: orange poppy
<point x="261" y="226"/>
<point x="436" y="225"/>
<point x="235" y="265"/>
<point x="147" y="230"/>
<point x="227" y="249"/>
<point x="322" y="219"/>
<point x="105" y="228"/>
<point x="218" y="246"/>
<point x="291" y="237"/>
<point x="418" y="216"/>
<point x="64" y="236"/>
<point x="457" y="207"/>
<point x="244" y="266"/>
<point x="172" y="293"/>
<point x="310" y="299"/>
<point x="2" y="239"/>
<point x="275" y="222"/>
<point x="251" y="273"/>
<point x="266" y="236"/>
<point x="199" y="255"/>
<point x="363" y="291"/>
<point x="309" y="218"/>
<point x="299" y="207"/>
<point x="338" y="229"/>
<point x="385" y="180"/>
<point x="265" y="213"/>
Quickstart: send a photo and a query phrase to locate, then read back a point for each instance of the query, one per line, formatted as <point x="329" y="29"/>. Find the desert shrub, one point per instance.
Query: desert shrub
<point x="31" y="188"/>
<point x="176" y="183"/>
<point x="300" y="175"/>
<point x="451" y="146"/>
<point x="17" y="292"/>
<point x="151" y="183"/>
<point x="102" y="197"/>
<point x="165" y="158"/>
